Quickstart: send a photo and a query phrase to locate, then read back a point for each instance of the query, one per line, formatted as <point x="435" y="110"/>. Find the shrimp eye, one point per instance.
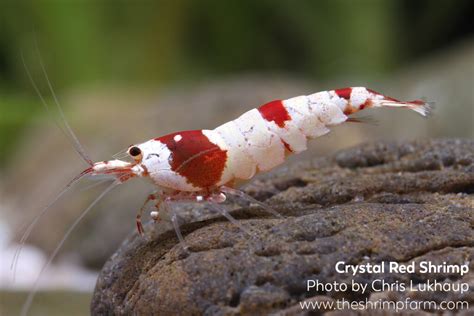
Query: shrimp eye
<point x="135" y="152"/>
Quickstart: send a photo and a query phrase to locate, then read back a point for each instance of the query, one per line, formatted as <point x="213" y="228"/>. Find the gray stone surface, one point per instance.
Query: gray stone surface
<point x="376" y="202"/>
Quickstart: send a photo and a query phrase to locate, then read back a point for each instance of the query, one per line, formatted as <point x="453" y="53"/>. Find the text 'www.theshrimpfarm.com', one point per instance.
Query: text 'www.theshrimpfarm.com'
<point x="397" y="306"/>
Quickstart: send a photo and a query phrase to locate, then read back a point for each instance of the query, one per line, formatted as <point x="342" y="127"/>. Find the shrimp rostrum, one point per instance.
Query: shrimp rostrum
<point x="203" y="165"/>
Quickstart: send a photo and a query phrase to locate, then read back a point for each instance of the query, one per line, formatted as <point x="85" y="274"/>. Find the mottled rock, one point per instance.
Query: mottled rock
<point x="377" y="202"/>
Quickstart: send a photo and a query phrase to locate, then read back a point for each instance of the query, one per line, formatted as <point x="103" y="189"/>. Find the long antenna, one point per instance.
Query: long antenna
<point x="32" y="224"/>
<point x="31" y="295"/>
<point x="68" y="132"/>
<point x="77" y="145"/>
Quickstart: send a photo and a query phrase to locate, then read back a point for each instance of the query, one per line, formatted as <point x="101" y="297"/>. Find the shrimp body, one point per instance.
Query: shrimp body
<point x="258" y="140"/>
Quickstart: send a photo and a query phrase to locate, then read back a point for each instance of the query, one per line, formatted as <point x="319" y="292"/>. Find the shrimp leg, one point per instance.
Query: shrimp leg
<point x="138" y="219"/>
<point x="247" y="198"/>
<point x="224" y="212"/>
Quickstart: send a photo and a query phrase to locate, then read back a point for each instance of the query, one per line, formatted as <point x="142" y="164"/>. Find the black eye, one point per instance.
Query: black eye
<point x="134" y="151"/>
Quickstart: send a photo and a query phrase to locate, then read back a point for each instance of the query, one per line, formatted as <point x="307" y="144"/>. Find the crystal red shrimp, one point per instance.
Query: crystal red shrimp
<point x="199" y="164"/>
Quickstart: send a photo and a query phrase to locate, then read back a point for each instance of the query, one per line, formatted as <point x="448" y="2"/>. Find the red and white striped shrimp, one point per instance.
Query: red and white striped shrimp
<point x="204" y="164"/>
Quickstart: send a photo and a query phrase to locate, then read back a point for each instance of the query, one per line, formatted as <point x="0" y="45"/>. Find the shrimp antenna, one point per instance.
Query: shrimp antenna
<point x="31" y="295"/>
<point x="75" y="141"/>
<point x="30" y="226"/>
<point x="68" y="132"/>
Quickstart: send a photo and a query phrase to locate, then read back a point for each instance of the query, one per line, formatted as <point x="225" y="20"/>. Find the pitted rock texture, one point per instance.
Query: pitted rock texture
<point x="377" y="202"/>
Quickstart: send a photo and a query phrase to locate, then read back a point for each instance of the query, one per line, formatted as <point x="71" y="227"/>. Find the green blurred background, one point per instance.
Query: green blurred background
<point x="156" y="43"/>
<point x="126" y="71"/>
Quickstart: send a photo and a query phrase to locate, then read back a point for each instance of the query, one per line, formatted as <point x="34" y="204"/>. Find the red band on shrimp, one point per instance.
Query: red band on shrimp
<point x="194" y="157"/>
<point x="384" y="96"/>
<point x="344" y="93"/>
<point x="275" y="111"/>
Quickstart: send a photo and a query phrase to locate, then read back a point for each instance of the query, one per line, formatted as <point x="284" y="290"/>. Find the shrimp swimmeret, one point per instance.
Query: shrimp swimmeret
<point x="204" y="165"/>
